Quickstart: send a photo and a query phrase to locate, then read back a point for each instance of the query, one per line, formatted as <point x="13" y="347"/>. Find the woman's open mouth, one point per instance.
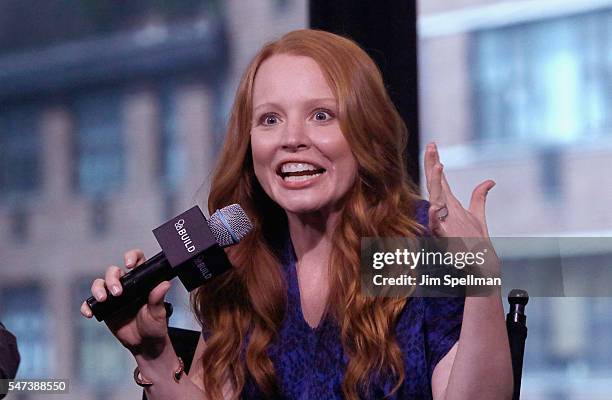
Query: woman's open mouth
<point x="299" y="171"/>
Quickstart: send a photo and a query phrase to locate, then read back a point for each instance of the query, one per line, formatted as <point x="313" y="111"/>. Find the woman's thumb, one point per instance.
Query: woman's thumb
<point x="479" y="198"/>
<point x="156" y="299"/>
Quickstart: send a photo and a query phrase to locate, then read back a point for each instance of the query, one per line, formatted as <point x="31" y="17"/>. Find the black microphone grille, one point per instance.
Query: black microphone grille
<point x="229" y="225"/>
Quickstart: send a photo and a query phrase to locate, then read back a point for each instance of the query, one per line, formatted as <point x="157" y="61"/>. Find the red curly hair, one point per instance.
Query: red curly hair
<point x="251" y="298"/>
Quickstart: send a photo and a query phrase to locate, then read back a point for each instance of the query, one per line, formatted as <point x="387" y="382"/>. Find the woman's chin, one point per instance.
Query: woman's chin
<point x="309" y="210"/>
<point x="300" y="208"/>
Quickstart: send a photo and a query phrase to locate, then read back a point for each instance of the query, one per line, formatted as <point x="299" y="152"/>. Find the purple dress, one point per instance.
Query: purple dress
<point x="310" y="363"/>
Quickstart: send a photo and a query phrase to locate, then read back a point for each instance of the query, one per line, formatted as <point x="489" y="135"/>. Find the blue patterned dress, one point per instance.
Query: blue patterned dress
<point x="310" y="363"/>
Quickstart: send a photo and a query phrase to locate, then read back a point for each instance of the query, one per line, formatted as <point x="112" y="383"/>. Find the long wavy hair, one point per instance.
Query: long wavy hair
<point x="243" y="309"/>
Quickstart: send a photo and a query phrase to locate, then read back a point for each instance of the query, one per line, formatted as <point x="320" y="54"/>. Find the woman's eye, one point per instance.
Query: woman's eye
<point x="322" y="116"/>
<point x="269" y="119"/>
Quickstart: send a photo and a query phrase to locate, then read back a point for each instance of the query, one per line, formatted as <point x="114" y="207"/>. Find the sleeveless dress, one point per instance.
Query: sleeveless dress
<point x="310" y="363"/>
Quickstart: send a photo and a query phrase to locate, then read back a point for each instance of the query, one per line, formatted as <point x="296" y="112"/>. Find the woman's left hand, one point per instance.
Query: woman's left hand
<point x="447" y="217"/>
<point x="482" y="352"/>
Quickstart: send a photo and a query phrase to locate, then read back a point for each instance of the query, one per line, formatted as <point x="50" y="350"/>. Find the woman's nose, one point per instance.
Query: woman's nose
<point x="295" y="137"/>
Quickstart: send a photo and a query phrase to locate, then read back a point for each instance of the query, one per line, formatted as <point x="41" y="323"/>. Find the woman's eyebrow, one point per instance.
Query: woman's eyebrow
<point x="307" y="103"/>
<point x="312" y="102"/>
<point x="265" y="105"/>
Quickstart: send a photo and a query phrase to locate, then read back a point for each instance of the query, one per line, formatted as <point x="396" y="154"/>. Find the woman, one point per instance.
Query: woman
<point x="314" y="155"/>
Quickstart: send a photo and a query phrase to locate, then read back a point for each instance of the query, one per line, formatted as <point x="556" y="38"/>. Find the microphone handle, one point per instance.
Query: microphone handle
<point x="136" y="284"/>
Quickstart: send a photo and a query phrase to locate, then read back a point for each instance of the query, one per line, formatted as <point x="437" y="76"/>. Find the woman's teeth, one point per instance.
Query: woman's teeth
<point x="295" y="172"/>
<point x="297" y="167"/>
<point x="299" y="178"/>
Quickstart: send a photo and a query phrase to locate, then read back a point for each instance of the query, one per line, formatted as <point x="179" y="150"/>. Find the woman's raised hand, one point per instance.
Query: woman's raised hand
<point x="142" y="331"/>
<point x="447" y="217"/>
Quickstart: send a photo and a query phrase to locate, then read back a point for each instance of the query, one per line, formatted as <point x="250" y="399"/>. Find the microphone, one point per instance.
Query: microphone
<point x="192" y="249"/>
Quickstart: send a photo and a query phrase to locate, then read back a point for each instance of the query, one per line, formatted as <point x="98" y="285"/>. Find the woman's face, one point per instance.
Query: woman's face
<point x="300" y="156"/>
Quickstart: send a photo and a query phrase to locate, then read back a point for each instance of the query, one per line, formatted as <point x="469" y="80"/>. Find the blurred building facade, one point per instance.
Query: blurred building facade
<point x="109" y="125"/>
<point x="521" y="92"/>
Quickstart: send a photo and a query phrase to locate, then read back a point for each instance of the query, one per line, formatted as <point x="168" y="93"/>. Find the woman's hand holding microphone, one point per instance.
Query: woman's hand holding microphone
<point x="142" y="331"/>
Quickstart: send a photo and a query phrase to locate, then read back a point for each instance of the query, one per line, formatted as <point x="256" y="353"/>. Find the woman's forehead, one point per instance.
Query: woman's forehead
<point x="290" y="77"/>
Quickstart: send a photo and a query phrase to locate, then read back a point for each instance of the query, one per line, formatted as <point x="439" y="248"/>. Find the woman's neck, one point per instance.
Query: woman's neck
<point x="312" y="241"/>
<point x="311" y="236"/>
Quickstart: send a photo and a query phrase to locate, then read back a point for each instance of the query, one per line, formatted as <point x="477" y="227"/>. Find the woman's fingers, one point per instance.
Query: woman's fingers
<point x="428" y="164"/>
<point x="434" y="174"/>
<point x="98" y="290"/>
<point x="436" y="155"/>
<point x="111" y="278"/>
<point x="479" y="199"/>
<point x="446" y="193"/>
<point x="435" y="190"/>
<point x="447" y="216"/>
<point x="133" y="258"/>
<point x="111" y="282"/>
<point x="434" y="218"/>
<point x="85" y="310"/>
<point x="432" y="162"/>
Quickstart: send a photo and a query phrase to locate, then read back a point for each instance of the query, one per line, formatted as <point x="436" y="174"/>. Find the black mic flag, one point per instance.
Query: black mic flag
<point x="191" y="249"/>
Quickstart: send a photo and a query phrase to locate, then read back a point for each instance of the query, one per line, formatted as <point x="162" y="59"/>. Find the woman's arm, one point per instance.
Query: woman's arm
<point x="144" y="333"/>
<point x="479" y="366"/>
<point x="161" y="369"/>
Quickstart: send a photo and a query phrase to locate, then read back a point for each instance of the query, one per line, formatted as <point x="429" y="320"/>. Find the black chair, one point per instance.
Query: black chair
<point x="185" y="340"/>
<point x="516" y="324"/>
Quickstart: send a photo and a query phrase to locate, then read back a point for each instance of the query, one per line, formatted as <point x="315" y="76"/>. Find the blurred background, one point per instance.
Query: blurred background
<point x="112" y="113"/>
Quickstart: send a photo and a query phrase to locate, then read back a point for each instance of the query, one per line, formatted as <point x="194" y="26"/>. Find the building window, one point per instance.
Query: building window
<point x="600" y="323"/>
<point x="172" y="148"/>
<point x="281" y="5"/>
<point x="98" y="353"/>
<point x="20" y="149"/>
<point x="23" y="312"/>
<point x="547" y="80"/>
<point x="99" y="142"/>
